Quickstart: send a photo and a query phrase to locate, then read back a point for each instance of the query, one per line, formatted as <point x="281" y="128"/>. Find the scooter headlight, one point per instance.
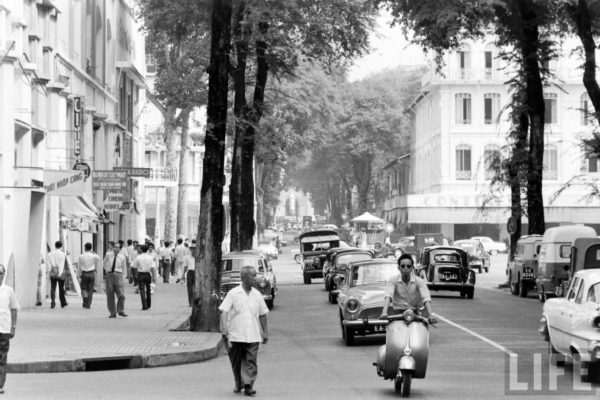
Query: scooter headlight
<point x="352" y="305"/>
<point x="409" y="315"/>
<point x="407" y="351"/>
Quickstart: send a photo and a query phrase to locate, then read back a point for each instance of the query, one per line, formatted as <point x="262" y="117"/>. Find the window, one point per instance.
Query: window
<point x="585" y="111"/>
<point x="148" y="159"/>
<point x="594" y="294"/>
<point x="573" y="289"/>
<point x="491" y="158"/>
<point x="590" y="160"/>
<point x="550" y="104"/>
<point x="464" y="63"/>
<point x="491" y="106"/>
<point x="463" y="162"/>
<point x="488" y="64"/>
<point x="550" y="163"/>
<point x="579" y="296"/>
<point x="463" y="108"/>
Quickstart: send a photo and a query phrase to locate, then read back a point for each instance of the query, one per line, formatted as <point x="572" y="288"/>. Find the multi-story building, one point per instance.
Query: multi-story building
<point x="71" y="78"/>
<point x="293" y="205"/>
<point x="459" y="121"/>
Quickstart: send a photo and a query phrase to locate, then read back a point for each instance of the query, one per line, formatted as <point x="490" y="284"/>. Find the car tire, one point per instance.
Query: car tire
<point x="480" y="269"/>
<point x="556" y="359"/>
<point x="307" y="280"/>
<point x="523" y="289"/>
<point x="332" y="298"/>
<point x="470" y="293"/>
<point x="348" y="336"/>
<point x="487" y="269"/>
<point x="298" y="258"/>
<point x="463" y="293"/>
<point x="589" y="371"/>
<point x="269" y="304"/>
<point x="514" y="286"/>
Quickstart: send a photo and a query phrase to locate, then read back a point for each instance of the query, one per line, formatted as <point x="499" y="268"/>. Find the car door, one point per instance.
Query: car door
<point x="570" y="305"/>
<point x="585" y="305"/>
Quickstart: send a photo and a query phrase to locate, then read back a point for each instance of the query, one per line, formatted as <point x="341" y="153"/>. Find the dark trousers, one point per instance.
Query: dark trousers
<point x="165" y="270"/>
<point x="115" y="286"/>
<point x="243" y="363"/>
<point x="134" y="276"/>
<point x="190" y="279"/>
<point x="144" y="280"/>
<point x="61" y="291"/>
<point x="173" y="267"/>
<point x="4" y="346"/>
<point x="87" y="287"/>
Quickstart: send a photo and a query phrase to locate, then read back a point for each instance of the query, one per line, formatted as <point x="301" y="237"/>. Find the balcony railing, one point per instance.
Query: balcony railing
<point x="463" y="74"/>
<point x="164" y="174"/>
<point x="463" y="175"/>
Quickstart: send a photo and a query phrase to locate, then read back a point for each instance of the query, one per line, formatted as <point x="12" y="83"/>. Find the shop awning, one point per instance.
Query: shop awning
<point x="78" y="207"/>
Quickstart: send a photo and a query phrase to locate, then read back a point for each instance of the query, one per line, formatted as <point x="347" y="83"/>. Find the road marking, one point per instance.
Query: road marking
<point x="477" y="335"/>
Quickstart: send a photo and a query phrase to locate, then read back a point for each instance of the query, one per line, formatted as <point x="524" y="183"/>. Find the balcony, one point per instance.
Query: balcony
<point x="464" y="75"/>
<point x="162" y="177"/>
<point x="463" y="175"/>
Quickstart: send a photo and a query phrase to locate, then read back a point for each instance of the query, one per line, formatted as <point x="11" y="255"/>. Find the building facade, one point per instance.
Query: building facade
<point x="459" y="122"/>
<point x="74" y="70"/>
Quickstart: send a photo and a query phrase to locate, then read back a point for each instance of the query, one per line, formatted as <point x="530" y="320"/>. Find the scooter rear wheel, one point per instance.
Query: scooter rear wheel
<point x="406" y="381"/>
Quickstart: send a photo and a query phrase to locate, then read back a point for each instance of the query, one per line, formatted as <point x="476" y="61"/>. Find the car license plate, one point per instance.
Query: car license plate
<point x="379" y="328"/>
<point x="451" y="276"/>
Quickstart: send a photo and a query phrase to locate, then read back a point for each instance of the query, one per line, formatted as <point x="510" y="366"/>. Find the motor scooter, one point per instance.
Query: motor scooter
<point x="404" y="355"/>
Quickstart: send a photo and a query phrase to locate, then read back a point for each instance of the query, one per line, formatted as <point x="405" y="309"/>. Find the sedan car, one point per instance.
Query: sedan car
<point x="270" y="250"/>
<point x="339" y="263"/>
<point x="361" y="296"/>
<point x="490" y="246"/>
<point x="571" y="324"/>
<point x="447" y="268"/>
<point x="265" y="282"/>
<point x="479" y="258"/>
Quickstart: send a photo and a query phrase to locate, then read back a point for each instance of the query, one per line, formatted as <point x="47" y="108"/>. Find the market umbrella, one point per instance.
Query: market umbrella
<point x="368" y="217"/>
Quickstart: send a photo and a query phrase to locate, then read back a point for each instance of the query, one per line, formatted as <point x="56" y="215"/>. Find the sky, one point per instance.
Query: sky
<point x="389" y="49"/>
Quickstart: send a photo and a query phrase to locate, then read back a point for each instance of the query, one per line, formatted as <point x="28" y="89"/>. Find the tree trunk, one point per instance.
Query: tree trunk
<point x="580" y="15"/>
<point x="536" y="110"/>
<point x="239" y="213"/>
<point x="184" y="156"/>
<point x="362" y="175"/>
<point x="205" y="314"/>
<point x="515" y="172"/>
<point x="170" y="232"/>
<point x="348" y="196"/>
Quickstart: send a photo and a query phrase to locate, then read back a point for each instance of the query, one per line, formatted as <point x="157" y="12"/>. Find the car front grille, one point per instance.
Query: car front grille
<point x="226" y="287"/>
<point x="370" y="313"/>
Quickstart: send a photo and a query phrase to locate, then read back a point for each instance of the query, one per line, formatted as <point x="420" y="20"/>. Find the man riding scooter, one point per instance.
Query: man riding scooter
<point x="407" y="291"/>
<point x="406" y="350"/>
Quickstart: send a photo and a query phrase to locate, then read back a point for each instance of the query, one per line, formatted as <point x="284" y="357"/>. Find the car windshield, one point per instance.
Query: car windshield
<point x="375" y="273"/>
<point x="348" y="258"/>
<point x="319" y="246"/>
<point x="453" y="258"/>
<point x="236" y="264"/>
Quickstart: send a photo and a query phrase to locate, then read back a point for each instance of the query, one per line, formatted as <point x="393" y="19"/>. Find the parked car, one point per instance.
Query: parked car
<point x="361" y="297"/>
<point x="265" y="282"/>
<point x="447" y="268"/>
<point x="555" y="254"/>
<point x="479" y="259"/>
<point x="585" y="254"/>
<point x="522" y="271"/>
<point x="571" y="324"/>
<point x="283" y="240"/>
<point x="270" y="250"/>
<point x="339" y="265"/>
<point x="405" y="244"/>
<point x="490" y="245"/>
<point x="327" y="263"/>
<point x="313" y="248"/>
<point x="297" y="256"/>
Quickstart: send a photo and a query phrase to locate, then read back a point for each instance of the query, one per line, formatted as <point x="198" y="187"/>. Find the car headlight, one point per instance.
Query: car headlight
<point x="352" y="305"/>
<point x="262" y="282"/>
<point x="596" y="322"/>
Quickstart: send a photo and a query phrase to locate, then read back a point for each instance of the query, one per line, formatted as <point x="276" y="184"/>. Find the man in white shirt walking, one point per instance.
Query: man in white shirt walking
<point x="9" y="305"/>
<point x="244" y="326"/>
<point x="190" y="273"/>
<point x="86" y="269"/>
<point x="144" y="263"/>
<point x="165" y="254"/>
<point x="56" y="267"/>
<point x="115" y="264"/>
<point x="180" y="253"/>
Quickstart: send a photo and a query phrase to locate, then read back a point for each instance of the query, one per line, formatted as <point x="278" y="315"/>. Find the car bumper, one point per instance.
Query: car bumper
<point x="313" y="273"/>
<point x="367" y="326"/>
<point x="449" y="286"/>
<point x="267" y="297"/>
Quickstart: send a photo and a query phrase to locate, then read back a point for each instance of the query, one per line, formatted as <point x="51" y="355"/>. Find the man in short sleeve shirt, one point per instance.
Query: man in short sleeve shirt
<point x="407" y="291"/>
<point x="9" y="305"/>
<point x="244" y="326"/>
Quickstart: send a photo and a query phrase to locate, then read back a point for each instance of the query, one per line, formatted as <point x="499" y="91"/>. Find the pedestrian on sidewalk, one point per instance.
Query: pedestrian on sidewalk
<point x="190" y="274"/>
<point x="86" y="269"/>
<point x="154" y="255"/>
<point x="9" y="305"/>
<point x="244" y="326"/>
<point x="131" y="254"/>
<point x="144" y="263"/>
<point x="165" y="255"/>
<point x="57" y="260"/>
<point x="180" y="252"/>
<point x="115" y="265"/>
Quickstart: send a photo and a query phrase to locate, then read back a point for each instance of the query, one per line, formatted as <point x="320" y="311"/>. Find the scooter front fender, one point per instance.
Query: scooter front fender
<point x="407" y="363"/>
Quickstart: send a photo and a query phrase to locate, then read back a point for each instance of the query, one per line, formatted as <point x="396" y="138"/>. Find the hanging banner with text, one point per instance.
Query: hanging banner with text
<point x="109" y="180"/>
<point x="63" y="183"/>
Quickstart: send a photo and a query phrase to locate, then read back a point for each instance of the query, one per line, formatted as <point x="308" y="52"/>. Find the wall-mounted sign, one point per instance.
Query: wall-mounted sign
<point x="81" y="166"/>
<point x="135" y="171"/>
<point x="109" y="180"/>
<point x="63" y="183"/>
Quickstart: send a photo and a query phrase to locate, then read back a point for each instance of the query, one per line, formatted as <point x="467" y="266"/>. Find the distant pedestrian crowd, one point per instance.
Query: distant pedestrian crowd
<point x="131" y="263"/>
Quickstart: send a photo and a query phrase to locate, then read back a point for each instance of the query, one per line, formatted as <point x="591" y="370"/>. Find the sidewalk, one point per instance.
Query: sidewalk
<point x="76" y="339"/>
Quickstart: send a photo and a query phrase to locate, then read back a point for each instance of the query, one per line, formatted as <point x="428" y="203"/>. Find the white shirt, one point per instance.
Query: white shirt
<point x="121" y="264"/>
<point x="8" y="301"/>
<point x="165" y="253"/>
<point x="243" y="324"/>
<point x="180" y="252"/>
<point x="57" y="257"/>
<point x="190" y="262"/>
<point x="87" y="261"/>
<point x="144" y="262"/>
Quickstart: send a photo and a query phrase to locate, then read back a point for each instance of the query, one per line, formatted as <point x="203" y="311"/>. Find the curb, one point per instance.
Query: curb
<point x="127" y="361"/>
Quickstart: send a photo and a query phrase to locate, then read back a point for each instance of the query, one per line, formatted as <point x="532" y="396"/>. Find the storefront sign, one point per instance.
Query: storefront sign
<point x="81" y="166"/>
<point x="109" y="180"/>
<point x="135" y="172"/>
<point x="63" y="183"/>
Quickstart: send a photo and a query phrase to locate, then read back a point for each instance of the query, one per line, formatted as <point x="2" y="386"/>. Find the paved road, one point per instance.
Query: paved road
<point x="306" y="358"/>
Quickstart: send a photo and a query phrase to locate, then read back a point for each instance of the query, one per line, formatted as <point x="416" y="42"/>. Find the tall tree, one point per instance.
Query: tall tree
<point x="279" y="34"/>
<point x="205" y="314"/>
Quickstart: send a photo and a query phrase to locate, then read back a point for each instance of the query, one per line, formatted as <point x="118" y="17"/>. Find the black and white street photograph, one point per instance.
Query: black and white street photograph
<point x="299" y="199"/>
